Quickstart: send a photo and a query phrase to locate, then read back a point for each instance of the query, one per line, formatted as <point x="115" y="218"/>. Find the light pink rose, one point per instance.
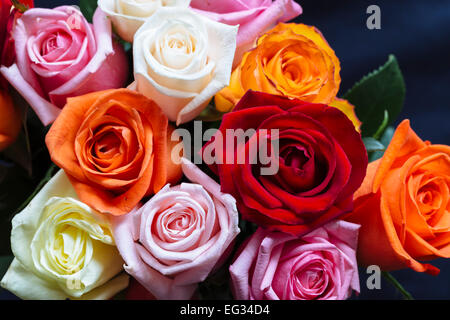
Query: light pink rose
<point x="60" y="55"/>
<point x="254" y="17"/>
<point x="318" y="266"/>
<point x="179" y="236"/>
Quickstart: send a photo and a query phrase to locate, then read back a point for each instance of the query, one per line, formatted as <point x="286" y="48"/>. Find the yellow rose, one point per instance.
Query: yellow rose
<point x="63" y="249"/>
<point x="292" y="60"/>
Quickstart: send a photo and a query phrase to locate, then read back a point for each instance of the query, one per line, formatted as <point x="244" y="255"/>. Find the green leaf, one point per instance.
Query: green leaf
<point x="382" y="89"/>
<point x="372" y="144"/>
<point x="385" y="140"/>
<point x="387" y="136"/>
<point x="20" y="6"/>
<point x="88" y="8"/>
<point x="127" y="46"/>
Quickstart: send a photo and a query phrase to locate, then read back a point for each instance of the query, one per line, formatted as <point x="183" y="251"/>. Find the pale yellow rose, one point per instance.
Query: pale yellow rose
<point x="128" y="15"/>
<point x="63" y="249"/>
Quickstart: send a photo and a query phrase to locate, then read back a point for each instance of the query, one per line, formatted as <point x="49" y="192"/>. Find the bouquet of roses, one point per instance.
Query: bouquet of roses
<point x="199" y="149"/>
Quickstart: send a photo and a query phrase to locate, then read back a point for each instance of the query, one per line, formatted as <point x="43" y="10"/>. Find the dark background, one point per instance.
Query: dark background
<point x="418" y="33"/>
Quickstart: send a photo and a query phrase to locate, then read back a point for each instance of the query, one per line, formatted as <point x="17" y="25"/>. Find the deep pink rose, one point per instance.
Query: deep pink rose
<point x="318" y="266"/>
<point x="179" y="236"/>
<point x="253" y="17"/>
<point x="60" y="55"/>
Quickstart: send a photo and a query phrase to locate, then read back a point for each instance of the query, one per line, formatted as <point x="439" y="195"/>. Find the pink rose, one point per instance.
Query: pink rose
<point x="277" y="266"/>
<point x="176" y="239"/>
<point x="253" y="17"/>
<point x="60" y="55"/>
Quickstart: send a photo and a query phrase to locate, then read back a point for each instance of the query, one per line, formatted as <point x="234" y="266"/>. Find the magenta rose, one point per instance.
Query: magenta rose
<point x="318" y="266"/>
<point x="253" y="17"/>
<point x="176" y="239"/>
<point x="60" y="55"/>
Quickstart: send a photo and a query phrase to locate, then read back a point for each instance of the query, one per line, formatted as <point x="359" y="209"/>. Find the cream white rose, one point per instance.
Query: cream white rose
<point x="181" y="60"/>
<point x="63" y="249"/>
<point x="128" y="15"/>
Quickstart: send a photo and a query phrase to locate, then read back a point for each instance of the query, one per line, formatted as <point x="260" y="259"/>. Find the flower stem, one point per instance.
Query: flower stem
<point x="406" y="295"/>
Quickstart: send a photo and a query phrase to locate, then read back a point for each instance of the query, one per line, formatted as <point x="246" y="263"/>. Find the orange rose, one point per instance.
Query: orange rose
<point x="293" y="60"/>
<point x="403" y="205"/>
<point x="115" y="147"/>
<point x="10" y="120"/>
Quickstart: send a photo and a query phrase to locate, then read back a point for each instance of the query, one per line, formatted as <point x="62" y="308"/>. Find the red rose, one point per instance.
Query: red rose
<point x="322" y="161"/>
<point x="8" y="18"/>
<point x="5" y="10"/>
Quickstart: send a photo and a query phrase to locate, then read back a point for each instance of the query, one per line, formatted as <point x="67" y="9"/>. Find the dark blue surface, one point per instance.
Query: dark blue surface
<point x="418" y="33"/>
